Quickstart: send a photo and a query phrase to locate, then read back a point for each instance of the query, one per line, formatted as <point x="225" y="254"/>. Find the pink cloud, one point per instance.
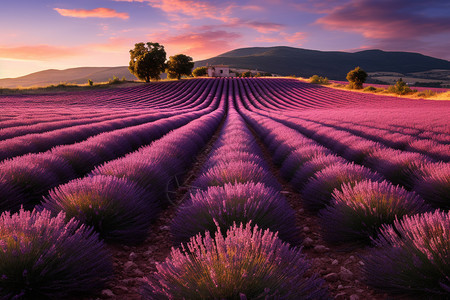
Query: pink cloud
<point x="295" y="38"/>
<point x="193" y="8"/>
<point x="263" y="27"/>
<point x="38" y="52"/>
<point x="100" y="12"/>
<point x="199" y="45"/>
<point x="383" y="19"/>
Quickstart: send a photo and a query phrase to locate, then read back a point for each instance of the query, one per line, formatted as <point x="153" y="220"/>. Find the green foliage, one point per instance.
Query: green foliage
<point x="90" y="82"/>
<point x="356" y="78"/>
<point x="147" y="61"/>
<point x="247" y="74"/>
<point x="200" y="71"/>
<point x="426" y="94"/>
<point x="370" y="89"/>
<point x="179" y="65"/>
<point x="114" y="80"/>
<point x="318" y="79"/>
<point x="400" y="88"/>
<point x="124" y="78"/>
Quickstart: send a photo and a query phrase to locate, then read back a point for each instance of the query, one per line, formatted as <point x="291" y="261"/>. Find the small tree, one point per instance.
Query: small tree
<point x="247" y="74"/>
<point x="200" y="71"/>
<point x="90" y="82"/>
<point x="400" y="88"/>
<point x="147" y="61"/>
<point x="356" y="78"/>
<point x="179" y="65"/>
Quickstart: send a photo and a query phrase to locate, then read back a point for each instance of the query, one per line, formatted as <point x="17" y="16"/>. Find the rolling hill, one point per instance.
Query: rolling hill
<point x="73" y="75"/>
<point x="333" y="64"/>
<point x="277" y="60"/>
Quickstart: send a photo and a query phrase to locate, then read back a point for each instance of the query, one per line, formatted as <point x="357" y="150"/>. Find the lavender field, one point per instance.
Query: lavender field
<point x="230" y="188"/>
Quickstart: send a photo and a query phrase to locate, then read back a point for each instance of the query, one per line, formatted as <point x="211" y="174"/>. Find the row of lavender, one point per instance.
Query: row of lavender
<point x="42" y="141"/>
<point x="47" y="256"/>
<point x="360" y="206"/>
<point x="24" y="179"/>
<point x="164" y="95"/>
<point x="423" y="173"/>
<point x="231" y="252"/>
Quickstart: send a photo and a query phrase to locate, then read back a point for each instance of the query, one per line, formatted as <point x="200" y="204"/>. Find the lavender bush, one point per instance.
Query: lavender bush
<point x="235" y="172"/>
<point x="356" y="213"/>
<point x="119" y="210"/>
<point x="433" y="184"/>
<point x="318" y="190"/>
<point x="11" y="198"/>
<point x="309" y="168"/>
<point x="148" y="174"/>
<point x="239" y="203"/>
<point x="246" y="263"/>
<point x="31" y="180"/>
<point x="412" y="256"/>
<point x="45" y="257"/>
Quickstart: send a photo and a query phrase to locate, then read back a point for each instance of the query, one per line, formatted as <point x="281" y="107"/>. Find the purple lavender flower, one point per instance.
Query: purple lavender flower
<point x="318" y="190"/>
<point x="239" y="203"/>
<point x="356" y="213"/>
<point x="412" y="256"/>
<point x="433" y="184"/>
<point x="119" y="210"/>
<point x="31" y="180"/>
<point x="309" y="168"/>
<point x="247" y="262"/>
<point x="11" y="199"/>
<point x="45" y="257"/>
<point x="235" y="172"/>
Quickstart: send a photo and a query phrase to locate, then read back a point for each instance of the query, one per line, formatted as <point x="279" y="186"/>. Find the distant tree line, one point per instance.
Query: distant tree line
<point x="148" y="61"/>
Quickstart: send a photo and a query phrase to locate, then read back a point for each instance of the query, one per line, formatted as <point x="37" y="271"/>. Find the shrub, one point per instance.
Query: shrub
<point x="145" y="173"/>
<point x="80" y="159"/>
<point x="356" y="213"/>
<point x="221" y="158"/>
<point x="11" y="198"/>
<point x="308" y="169"/>
<point x="356" y="78"/>
<point x="247" y="74"/>
<point x="247" y="263"/>
<point x="45" y="257"/>
<point x="299" y="157"/>
<point x="426" y="93"/>
<point x="235" y="172"/>
<point x="31" y="180"/>
<point x="370" y="89"/>
<point x="396" y="166"/>
<point x="318" y="190"/>
<point x="90" y="82"/>
<point x="318" y="79"/>
<point x="412" y="256"/>
<point x="200" y="71"/>
<point x="239" y="203"/>
<point x="119" y="210"/>
<point x="114" y="80"/>
<point x="400" y="88"/>
<point x="433" y="184"/>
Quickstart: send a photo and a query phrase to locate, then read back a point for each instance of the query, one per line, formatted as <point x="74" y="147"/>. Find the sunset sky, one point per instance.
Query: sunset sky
<point x="59" y="34"/>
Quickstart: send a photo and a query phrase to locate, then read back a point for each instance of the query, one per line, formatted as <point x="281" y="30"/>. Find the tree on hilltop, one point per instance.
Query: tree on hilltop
<point x="356" y="78"/>
<point x="147" y="61"/>
<point x="179" y="65"/>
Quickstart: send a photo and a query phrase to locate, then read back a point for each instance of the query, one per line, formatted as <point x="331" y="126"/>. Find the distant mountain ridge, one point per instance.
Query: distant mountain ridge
<point x="279" y="60"/>
<point x="286" y="61"/>
<point x="72" y="75"/>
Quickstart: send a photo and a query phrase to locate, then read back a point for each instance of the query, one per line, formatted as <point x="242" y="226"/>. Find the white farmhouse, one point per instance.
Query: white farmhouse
<point x="219" y="71"/>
